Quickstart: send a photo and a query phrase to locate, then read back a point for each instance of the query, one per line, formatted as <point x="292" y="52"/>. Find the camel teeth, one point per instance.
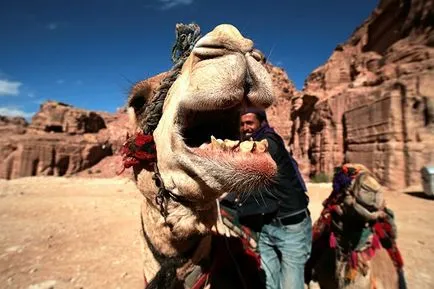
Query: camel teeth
<point x="214" y="143"/>
<point x="217" y="143"/>
<point x="261" y="146"/>
<point x="247" y="146"/>
<point x="231" y="144"/>
<point x="236" y="145"/>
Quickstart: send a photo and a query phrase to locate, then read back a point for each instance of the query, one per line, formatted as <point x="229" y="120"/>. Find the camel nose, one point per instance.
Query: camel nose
<point x="248" y="82"/>
<point x="228" y="37"/>
<point x="257" y="55"/>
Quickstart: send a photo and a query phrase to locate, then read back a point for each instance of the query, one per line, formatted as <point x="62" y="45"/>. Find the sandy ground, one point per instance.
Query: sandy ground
<point x="84" y="233"/>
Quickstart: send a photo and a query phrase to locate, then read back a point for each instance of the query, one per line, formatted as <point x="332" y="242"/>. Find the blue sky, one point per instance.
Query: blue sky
<point x="87" y="52"/>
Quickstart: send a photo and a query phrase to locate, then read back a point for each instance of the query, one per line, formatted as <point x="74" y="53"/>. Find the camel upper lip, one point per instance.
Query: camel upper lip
<point x="206" y="49"/>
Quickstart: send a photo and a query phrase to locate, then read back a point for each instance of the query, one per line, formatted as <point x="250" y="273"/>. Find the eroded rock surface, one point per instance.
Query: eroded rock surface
<point x="14" y="125"/>
<point x="279" y="113"/>
<point x="372" y="101"/>
<point x="61" y="140"/>
<point x="60" y="117"/>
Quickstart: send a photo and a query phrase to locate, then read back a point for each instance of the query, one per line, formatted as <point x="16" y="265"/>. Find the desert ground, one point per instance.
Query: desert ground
<point x="84" y="233"/>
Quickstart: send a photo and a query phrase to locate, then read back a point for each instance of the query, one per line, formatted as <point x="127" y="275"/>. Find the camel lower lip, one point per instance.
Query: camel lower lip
<point x="250" y="163"/>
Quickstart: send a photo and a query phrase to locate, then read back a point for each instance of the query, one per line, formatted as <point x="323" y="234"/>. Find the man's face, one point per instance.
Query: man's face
<point x="248" y="125"/>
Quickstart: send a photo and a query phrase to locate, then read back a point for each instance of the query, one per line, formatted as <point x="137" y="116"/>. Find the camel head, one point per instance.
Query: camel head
<point x="198" y="155"/>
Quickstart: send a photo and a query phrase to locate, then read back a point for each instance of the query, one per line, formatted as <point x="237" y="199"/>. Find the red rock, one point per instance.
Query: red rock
<point x="61" y="140"/>
<point x="12" y="125"/>
<point x="278" y="114"/>
<point x="372" y="101"/>
<point x="49" y="154"/>
<point x="60" y="117"/>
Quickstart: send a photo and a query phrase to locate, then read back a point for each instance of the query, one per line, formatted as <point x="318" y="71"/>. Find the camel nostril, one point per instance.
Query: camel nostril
<point x="257" y="55"/>
<point x="248" y="82"/>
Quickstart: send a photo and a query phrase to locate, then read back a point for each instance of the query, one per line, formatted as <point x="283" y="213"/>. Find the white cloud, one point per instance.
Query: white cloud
<point x="52" y="26"/>
<point x="31" y="94"/>
<point x="13" y="111"/>
<point x="60" y="81"/>
<point x="168" y="4"/>
<point x="9" y="87"/>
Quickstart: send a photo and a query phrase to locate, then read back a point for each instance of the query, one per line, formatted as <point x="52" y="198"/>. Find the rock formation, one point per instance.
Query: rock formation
<point x="279" y="113"/>
<point x="60" y="117"/>
<point x="372" y="101"/>
<point x="61" y="140"/>
<point x="15" y="125"/>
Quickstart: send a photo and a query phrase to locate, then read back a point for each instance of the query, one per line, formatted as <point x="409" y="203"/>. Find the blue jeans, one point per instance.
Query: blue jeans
<point x="284" y="251"/>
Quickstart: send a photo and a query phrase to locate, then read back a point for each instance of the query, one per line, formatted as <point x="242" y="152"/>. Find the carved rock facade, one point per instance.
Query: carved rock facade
<point x="372" y="101"/>
<point x="61" y="140"/>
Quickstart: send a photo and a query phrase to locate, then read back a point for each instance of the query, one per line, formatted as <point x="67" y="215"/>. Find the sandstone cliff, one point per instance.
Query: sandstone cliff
<point x="14" y="125"/>
<point x="60" y="140"/>
<point x="372" y="101"/>
<point x="279" y="113"/>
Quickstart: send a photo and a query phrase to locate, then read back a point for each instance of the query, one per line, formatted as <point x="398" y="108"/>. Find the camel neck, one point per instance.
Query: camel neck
<point x="186" y="241"/>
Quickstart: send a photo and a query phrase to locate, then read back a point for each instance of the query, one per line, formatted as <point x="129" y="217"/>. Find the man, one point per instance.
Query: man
<point x="279" y="214"/>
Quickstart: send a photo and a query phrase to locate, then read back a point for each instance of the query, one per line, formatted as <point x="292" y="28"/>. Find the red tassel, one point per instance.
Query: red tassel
<point x="354" y="259"/>
<point x="370" y="252"/>
<point x="396" y="257"/>
<point x="138" y="150"/>
<point x="144" y="155"/>
<point x="332" y="240"/>
<point x="376" y="242"/>
<point x="333" y="208"/>
<point x="142" y="139"/>
<point x="379" y="230"/>
<point x="399" y="260"/>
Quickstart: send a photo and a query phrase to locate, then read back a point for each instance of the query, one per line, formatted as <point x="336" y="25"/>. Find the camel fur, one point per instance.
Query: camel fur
<point x="222" y="74"/>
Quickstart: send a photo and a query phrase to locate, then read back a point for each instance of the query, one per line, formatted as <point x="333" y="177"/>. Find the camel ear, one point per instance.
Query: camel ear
<point x="137" y="101"/>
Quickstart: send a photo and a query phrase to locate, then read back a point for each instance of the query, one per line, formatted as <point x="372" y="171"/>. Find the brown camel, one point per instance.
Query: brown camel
<point x="197" y="157"/>
<point x="347" y="252"/>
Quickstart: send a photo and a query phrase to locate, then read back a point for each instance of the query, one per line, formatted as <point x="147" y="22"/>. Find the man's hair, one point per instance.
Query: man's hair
<point x="260" y="113"/>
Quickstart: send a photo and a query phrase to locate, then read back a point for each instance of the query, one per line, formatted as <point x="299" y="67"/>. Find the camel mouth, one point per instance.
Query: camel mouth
<point x="213" y="136"/>
<point x="197" y="127"/>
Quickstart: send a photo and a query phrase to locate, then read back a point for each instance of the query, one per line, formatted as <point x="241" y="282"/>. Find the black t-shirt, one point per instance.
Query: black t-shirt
<point x="286" y="195"/>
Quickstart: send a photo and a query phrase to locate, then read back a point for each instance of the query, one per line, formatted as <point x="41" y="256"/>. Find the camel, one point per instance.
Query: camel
<point x="343" y="256"/>
<point x="198" y="157"/>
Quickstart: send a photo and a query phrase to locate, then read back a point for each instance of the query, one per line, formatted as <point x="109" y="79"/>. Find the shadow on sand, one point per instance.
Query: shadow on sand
<point x="419" y="194"/>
